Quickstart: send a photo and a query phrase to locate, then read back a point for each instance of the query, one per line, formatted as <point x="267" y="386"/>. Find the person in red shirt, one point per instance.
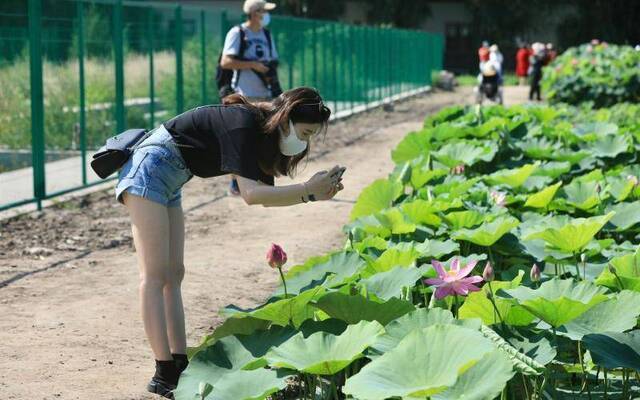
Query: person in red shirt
<point x="522" y="63"/>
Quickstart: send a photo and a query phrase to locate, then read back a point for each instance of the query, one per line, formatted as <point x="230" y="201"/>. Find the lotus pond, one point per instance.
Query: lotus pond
<point x="598" y="73"/>
<point x="500" y="259"/>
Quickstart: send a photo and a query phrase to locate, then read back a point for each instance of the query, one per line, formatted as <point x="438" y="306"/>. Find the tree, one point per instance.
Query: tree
<point x="398" y="13"/>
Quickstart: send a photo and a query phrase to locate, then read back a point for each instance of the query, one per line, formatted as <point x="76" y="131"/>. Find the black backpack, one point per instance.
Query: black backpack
<point x="225" y="76"/>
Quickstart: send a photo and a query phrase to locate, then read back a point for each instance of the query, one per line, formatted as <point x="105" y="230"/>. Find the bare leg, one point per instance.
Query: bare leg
<point x="150" y="227"/>
<point x="174" y="311"/>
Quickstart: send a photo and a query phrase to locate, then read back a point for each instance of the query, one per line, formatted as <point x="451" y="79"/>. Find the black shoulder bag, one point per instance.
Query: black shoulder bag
<point x="112" y="156"/>
<point x="225" y="76"/>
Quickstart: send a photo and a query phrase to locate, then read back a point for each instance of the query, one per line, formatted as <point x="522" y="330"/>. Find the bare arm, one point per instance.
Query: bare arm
<point x="322" y="186"/>
<point x="230" y="62"/>
<point x="255" y="192"/>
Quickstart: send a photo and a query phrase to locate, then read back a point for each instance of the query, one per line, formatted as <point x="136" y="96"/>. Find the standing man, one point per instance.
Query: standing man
<point x="537" y="62"/>
<point x="250" y="51"/>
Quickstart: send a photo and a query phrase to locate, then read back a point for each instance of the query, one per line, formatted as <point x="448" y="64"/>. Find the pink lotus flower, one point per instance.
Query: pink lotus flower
<point x="276" y="257"/>
<point x="535" y="273"/>
<point x="574" y="61"/>
<point x="488" y="274"/>
<point x="454" y="281"/>
<point x="458" y="170"/>
<point x="499" y="198"/>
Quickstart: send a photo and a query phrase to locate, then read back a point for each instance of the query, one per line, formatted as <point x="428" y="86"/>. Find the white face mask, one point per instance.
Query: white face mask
<point x="266" y="19"/>
<point x="292" y="145"/>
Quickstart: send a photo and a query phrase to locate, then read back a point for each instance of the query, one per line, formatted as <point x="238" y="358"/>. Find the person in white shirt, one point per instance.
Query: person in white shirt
<point x="259" y="48"/>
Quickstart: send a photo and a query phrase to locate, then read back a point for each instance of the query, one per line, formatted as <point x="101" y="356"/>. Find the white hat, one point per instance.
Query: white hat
<point x="257" y="5"/>
<point x="494" y="47"/>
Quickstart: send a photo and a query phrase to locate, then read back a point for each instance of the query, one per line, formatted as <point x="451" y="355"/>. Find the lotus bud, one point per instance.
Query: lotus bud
<point x="583" y="258"/>
<point x="612" y="269"/>
<point x="598" y="188"/>
<point x="276" y="257"/>
<point x="633" y="179"/>
<point x="535" y="273"/>
<point x="488" y="274"/>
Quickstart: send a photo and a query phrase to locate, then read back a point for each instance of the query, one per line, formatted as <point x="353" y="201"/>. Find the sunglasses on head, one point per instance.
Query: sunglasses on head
<point x="322" y="109"/>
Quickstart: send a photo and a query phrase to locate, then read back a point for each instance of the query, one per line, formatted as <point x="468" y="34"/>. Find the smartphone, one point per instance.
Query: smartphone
<point x="339" y="173"/>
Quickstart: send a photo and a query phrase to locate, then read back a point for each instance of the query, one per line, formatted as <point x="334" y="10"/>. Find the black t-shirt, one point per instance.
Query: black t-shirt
<point x="217" y="140"/>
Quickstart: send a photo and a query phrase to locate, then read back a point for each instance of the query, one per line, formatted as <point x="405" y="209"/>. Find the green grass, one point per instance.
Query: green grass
<point x="472" y="80"/>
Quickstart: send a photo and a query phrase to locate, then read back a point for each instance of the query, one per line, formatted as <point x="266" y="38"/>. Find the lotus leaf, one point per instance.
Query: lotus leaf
<point x="356" y="308"/>
<point x="412" y="146"/>
<point x="376" y="197"/>
<point x="477" y="305"/>
<point x="512" y="177"/>
<point x="614" y="349"/>
<point x="454" y="154"/>
<point x="557" y="301"/>
<point x="323" y="353"/>
<point x="573" y="236"/>
<point x="399" y="373"/>
<point x="542" y="198"/>
<point x="618" y="314"/>
<point x="488" y="233"/>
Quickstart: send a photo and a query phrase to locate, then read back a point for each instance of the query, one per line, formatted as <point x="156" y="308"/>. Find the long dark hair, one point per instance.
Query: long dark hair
<point x="303" y="104"/>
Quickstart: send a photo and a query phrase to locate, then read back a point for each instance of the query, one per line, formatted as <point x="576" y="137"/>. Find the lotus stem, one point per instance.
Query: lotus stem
<point x="284" y="282"/>
<point x="606" y="383"/>
<point x="334" y="389"/>
<point x="493" y="262"/>
<point x="585" y="379"/>
<point x="524" y="384"/>
<point x="495" y="307"/>
<point x="615" y="273"/>
<point x="455" y="299"/>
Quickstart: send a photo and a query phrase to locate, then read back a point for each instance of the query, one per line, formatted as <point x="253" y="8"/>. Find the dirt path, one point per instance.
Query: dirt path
<point x="71" y="327"/>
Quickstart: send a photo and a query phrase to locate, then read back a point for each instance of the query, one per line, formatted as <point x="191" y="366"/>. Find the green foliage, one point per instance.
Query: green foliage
<point x="603" y="74"/>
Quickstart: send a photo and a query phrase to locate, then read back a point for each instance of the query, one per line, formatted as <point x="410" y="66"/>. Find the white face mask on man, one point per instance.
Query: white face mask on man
<point x="292" y="145"/>
<point x="266" y="19"/>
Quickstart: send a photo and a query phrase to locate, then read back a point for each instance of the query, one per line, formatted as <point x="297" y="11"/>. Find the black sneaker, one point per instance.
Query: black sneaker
<point x="161" y="388"/>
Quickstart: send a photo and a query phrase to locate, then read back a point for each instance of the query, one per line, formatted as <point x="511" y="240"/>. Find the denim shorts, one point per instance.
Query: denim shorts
<point x="155" y="171"/>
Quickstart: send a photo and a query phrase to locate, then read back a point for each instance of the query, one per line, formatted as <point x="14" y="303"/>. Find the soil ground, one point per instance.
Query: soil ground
<point x="71" y="326"/>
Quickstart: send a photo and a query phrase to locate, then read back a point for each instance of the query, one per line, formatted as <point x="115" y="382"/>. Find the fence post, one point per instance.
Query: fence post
<point x="335" y="65"/>
<point x="203" y="56"/>
<point x="179" y="72"/>
<point x="118" y="44"/>
<point x="37" y="100"/>
<point x="152" y="94"/>
<point x="83" y="116"/>
<point x="223" y="34"/>
<point x="223" y="27"/>
<point x="314" y="57"/>
<point x="352" y="77"/>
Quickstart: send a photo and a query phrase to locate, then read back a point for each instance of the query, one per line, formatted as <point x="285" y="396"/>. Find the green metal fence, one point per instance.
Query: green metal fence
<point x="74" y="72"/>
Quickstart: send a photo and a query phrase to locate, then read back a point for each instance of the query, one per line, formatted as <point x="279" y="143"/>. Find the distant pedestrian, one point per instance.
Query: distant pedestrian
<point x="522" y="63"/>
<point x="496" y="58"/>
<point x="250" y="51"/>
<point x="537" y="62"/>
